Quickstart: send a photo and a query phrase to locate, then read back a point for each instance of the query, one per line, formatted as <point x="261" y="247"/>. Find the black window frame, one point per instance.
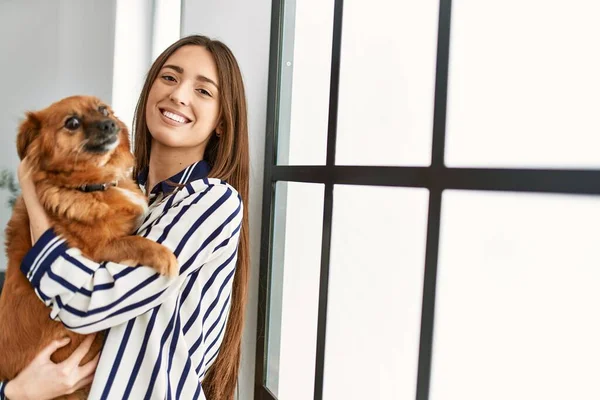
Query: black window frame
<point x="436" y="178"/>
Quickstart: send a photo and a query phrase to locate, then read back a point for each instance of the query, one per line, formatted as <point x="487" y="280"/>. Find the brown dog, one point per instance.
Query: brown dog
<point x="81" y="166"/>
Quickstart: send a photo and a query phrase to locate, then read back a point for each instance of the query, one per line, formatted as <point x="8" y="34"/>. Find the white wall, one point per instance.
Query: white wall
<point x="132" y="55"/>
<point x="245" y="27"/>
<point x="50" y="50"/>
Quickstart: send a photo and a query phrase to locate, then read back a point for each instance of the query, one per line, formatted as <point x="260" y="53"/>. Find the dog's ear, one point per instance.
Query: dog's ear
<point x="29" y="130"/>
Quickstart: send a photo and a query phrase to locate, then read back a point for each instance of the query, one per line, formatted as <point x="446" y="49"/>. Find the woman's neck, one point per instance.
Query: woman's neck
<point x="168" y="161"/>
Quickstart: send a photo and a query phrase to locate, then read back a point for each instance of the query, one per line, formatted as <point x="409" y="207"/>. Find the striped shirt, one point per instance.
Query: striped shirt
<point x="162" y="333"/>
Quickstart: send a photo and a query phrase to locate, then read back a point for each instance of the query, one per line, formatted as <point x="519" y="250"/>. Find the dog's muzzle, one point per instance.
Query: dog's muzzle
<point x="102" y="136"/>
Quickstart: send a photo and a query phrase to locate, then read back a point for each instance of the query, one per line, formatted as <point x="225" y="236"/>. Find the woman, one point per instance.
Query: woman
<point x="181" y="335"/>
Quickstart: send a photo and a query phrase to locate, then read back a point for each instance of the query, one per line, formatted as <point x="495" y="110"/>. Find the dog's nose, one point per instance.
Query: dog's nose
<point x="107" y="127"/>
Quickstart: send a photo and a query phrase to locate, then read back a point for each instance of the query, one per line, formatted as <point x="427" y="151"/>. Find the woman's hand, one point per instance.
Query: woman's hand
<point x="25" y="175"/>
<point x="24" y="171"/>
<point x="42" y="379"/>
<point x="38" y="219"/>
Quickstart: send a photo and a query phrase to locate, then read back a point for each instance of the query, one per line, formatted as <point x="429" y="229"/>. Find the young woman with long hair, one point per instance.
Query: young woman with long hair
<point x="166" y="337"/>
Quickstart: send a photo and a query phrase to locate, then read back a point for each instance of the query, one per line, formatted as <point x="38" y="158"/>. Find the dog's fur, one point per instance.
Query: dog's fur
<point x="98" y="223"/>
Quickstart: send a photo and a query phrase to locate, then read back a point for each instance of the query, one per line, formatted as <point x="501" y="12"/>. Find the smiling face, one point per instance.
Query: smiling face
<point x="182" y="110"/>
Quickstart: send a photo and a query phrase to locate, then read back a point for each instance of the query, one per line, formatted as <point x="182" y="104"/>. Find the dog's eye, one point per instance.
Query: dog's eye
<point x="73" y="124"/>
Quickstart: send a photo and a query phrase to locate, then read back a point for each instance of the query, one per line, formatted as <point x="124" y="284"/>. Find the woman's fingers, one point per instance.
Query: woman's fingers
<point x="52" y="347"/>
<point x="75" y="359"/>
<point x="24" y="169"/>
<point x="89" y="368"/>
<point x="85" y="373"/>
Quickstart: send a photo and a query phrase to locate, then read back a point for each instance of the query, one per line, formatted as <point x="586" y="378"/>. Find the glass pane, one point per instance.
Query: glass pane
<point x="294" y="290"/>
<point x="304" y="87"/>
<point x="523" y="84"/>
<point x="387" y="82"/>
<point x="375" y="289"/>
<point x="517" y="297"/>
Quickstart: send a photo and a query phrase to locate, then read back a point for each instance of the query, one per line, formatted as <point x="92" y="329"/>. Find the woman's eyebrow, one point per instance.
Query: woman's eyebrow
<point x="202" y="78"/>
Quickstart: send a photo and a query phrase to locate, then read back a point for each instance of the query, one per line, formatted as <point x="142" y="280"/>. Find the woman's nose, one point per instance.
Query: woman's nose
<point x="180" y="95"/>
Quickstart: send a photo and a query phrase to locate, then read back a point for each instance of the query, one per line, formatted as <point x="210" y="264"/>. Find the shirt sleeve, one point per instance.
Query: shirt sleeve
<point x="88" y="296"/>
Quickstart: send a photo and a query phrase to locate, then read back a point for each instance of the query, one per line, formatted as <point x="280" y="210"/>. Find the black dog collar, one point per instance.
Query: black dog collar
<point x="96" y="187"/>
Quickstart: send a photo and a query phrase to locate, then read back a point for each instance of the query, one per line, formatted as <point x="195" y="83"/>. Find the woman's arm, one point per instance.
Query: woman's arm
<point x="202" y="230"/>
<point x="38" y="220"/>
<point x="42" y="379"/>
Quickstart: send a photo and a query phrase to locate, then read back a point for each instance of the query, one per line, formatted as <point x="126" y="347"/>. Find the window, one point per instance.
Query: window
<point x="431" y="201"/>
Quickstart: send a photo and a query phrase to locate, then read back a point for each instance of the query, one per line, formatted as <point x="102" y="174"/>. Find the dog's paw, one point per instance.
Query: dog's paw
<point x="167" y="264"/>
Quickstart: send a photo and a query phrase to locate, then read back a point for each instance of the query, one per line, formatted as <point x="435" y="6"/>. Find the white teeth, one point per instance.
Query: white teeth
<point x="174" y="117"/>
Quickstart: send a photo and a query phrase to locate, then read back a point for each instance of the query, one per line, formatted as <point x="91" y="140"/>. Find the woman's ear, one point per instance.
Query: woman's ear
<point x="28" y="131"/>
<point x="219" y="129"/>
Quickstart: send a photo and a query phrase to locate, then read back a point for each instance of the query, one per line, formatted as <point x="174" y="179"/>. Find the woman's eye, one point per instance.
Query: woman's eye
<point x="73" y="123"/>
<point x="169" y="78"/>
<point x="204" y="92"/>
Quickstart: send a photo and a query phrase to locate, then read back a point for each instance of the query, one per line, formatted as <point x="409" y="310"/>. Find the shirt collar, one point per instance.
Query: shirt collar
<point x="198" y="170"/>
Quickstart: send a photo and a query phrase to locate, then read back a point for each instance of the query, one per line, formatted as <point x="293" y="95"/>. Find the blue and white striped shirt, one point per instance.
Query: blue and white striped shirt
<point x="163" y="333"/>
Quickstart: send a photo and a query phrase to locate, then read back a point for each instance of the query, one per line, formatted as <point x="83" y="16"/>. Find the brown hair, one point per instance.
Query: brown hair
<point x="229" y="159"/>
